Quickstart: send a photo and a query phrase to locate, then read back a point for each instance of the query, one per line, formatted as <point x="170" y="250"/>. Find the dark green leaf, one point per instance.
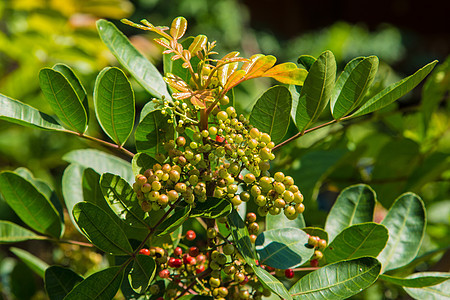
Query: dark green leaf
<point x="366" y="239"/>
<point x="23" y="114"/>
<point x="101" y="229"/>
<point x="142" y="273"/>
<point x="63" y="99"/>
<point x="352" y="85"/>
<point x="141" y="162"/>
<point x="37" y="265"/>
<point x="394" y="91"/>
<point x="60" y="281"/>
<point x="101" y="162"/>
<point x="337" y="281"/>
<point x="152" y="131"/>
<point x="142" y="70"/>
<point x="280" y="221"/>
<point x="405" y="221"/>
<point x="13" y="233"/>
<point x="101" y="285"/>
<point x="271" y="282"/>
<point x="271" y="112"/>
<point x="114" y="104"/>
<point x="354" y="205"/>
<point x="241" y="237"/>
<point x="283" y="248"/>
<point x="122" y="200"/>
<point x="212" y="208"/>
<point x="419" y="280"/>
<point x="306" y="61"/>
<point x="29" y="204"/>
<point x="439" y="291"/>
<point x="316" y="91"/>
<point x="174" y="221"/>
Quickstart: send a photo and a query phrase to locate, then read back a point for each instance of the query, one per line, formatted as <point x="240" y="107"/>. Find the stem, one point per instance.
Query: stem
<point x="200" y="276"/>
<point x="72" y="242"/>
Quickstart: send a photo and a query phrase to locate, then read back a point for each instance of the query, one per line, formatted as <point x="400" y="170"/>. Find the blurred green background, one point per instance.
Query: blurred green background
<point x="404" y="147"/>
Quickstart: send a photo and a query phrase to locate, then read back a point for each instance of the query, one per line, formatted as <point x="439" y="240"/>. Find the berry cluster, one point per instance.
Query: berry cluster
<point x="319" y="244"/>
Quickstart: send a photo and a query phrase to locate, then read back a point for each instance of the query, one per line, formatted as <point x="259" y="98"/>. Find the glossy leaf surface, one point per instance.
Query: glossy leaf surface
<point x="405" y="221"/>
<point x="178" y="27"/>
<point x="271" y="112"/>
<point x="394" y="91"/>
<point x="29" y="204"/>
<point x="316" y="91"/>
<point x="352" y="85"/>
<point x="100" y="229"/>
<point x="337" y="281"/>
<point x="283" y="248"/>
<point x="12" y="233"/>
<point x="306" y="61"/>
<point x="280" y="221"/>
<point x="101" y="285"/>
<point x="354" y="205"/>
<point x="131" y="59"/>
<point x="114" y="104"/>
<point x="60" y="281"/>
<point x="72" y="189"/>
<point x="366" y="239"/>
<point x="272" y="283"/>
<point x="287" y="73"/>
<point x="439" y="291"/>
<point x="142" y="273"/>
<point x="418" y="280"/>
<point x="63" y="99"/>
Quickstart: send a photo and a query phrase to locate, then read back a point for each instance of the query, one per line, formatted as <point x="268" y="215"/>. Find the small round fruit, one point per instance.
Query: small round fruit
<point x="314" y="262"/>
<point x="164" y="273"/>
<point x="222" y="115"/>
<point x="214" y="282"/>
<point x="300" y="208"/>
<point x="279" y="176"/>
<point x="289" y="273"/>
<point x="228" y="249"/>
<point x="194" y="251"/>
<point x="211" y="232"/>
<point x="251" y="217"/>
<point x="144" y="251"/>
<point x="322" y="244"/>
<point x="190" y="235"/>
<point x="298" y="197"/>
<point x="178" y="251"/>
<point x="317" y="255"/>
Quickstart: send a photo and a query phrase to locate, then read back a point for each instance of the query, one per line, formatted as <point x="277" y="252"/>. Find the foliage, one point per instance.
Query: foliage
<point x="199" y="161"/>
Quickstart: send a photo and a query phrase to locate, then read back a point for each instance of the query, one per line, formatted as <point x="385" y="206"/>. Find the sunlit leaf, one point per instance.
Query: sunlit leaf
<point x="241" y="237"/>
<point x="142" y="273"/>
<point x="13" y="233"/>
<point x="271" y="282"/>
<point x="418" y="280"/>
<point x="174" y="221"/>
<point x="141" y="162"/>
<point x="60" y="281"/>
<point x="439" y="291"/>
<point x="287" y="73"/>
<point x="234" y="79"/>
<point x="258" y="64"/>
<point x="212" y="208"/>
<point x="198" y="43"/>
<point x="178" y="27"/>
<point x="280" y="221"/>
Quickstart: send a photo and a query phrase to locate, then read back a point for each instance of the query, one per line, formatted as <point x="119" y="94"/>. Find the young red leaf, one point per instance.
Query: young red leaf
<point x="198" y="43"/>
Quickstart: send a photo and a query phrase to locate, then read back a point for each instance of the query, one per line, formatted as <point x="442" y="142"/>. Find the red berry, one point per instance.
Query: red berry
<point x="314" y="262"/>
<point x="164" y="273"/>
<point x="178" y="251"/>
<point x="244" y="282"/>
<point x="175" y="262"/>
<point x="144" y="251"/>
<point x="270" y="269"/>
<point x="190" y="235"/>
<point x="193" y="251"/>
<point x="289" y="273"/>
<point x="200" y="269"/>
<point x="220" y="139"/>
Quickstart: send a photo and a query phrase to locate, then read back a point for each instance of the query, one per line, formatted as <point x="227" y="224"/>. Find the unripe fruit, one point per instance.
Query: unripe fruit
<point x="190" y="235"/>
<point x="313" y="241"/>
<point x="154" y="289"/>
<point x="245" y="196"/>
<point x="212" y="130"/>
<point x="253" y="228"/>
<point x="298" y="197"/>
<point x="317" y="255"/>
<point x="153" y="195"/>
<point x="265" y="138"/>
<point x="231" y="111"/>
<point x="146" y="187"/>
<point x="232" y="188"/>
<point x="279" y="187"/>
<point x="288" y="196"/>
<point x="174" y="175"/>
<point x="239" y="277"/>
<point x="249" y="178"/>
<point x="274" y="210"/>
<point x="180" y="187"/>
<point x="300" y="208"/>
<point x="290" y="212"/>
<point x="289" y="273"/>
<point x="255" y="133"/>
<point x="221" y="259"/>
<point x="251" y="217"/>
<point x="279" y="203"/>
<point x="322" y="244"/>
<point x="214" y="282"/>
<point x="255" y="191"/>
<point x="172" y="195"/>
<point x="156" y="185"/>
<point x="222" y="115"/>
<point x="279" y="176"/>
<point x="163" y="199"/>
<point x="236" y="200"/>
<point x="229" y="269"/>
<point x="228" y="249"/>
<point x="211" y="232"/>
<point x="244" y="294"/>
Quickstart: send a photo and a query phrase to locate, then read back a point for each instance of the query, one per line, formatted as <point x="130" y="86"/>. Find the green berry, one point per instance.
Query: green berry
<point x="300" y="208"/>
<point x="249" y="178"/>
<point x="222" y="115"/>
<point x="279" y="176"/>
<point x="228" y="249"/>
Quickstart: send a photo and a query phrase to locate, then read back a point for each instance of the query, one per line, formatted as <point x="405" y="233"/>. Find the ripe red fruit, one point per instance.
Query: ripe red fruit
<point x="289" y="273"/>
<point x="175" y="262"/>
<point x="144" y="251"/>
<point x="178" y="251"/>
<point x="314" y="262"/>
<point x="220" y="139"/>
<point x="200" y="269"/>
<point x="164" y="273"/>
<point x="193" y="251"/>
<point x="190" y="235"/>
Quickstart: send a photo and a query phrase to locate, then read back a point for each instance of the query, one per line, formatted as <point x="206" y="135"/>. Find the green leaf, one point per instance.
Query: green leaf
<point x="13" y="233"/>
<point x="63" y="99"/>
<point x="394" y="91"/>
<point x="337" y="281"/>
<point x="354" y="205"/>
<point x="419" y="280"/>
<point x="196" y="297"/>
<point x="60" y="281"/>
<point x="101" y="162"/>
<point x="29" y="204"/>
<point x="241" y="237"/>
<point x="306" y="61"/>
<point x="101" y="229"/>
<point x="142" y="70"/>
<point x="405" y="221"/>
<point x="212" y="208"/>
<point x="114" y="104"/>
<point x="178" y="27"/>
<point x="34" y="263"/>
<point x="316" y="231"/>
<point x="72" y="189"/>
<point x="142" y="273"/>
<point x="352" y="85"/>
<point x="142" y="162"/>
<point x="122" y="200"/>
<point x="435" y="292"/>
<point x="152" y="131"/>
<point x="283" y="248"/>
<point x="271" y="282"/>
<point x="101" y="285"/>
<point x="366" y="239"/>
<point x="76" y="84"/>
<point x="316" y="91"/>
<point x="17" y="112"/>
<point x="271" y="112"/>
<point x="174" y="221"/>
<point x="280" y="221"/>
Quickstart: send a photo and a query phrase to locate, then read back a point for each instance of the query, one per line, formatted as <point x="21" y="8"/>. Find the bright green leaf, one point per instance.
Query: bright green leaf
<point x="178" y="27"/>
<point x="271" y="282"/>
<point x="271" y="112"/>
<point x="287" y="73"/>
<point x="316" y="91"/>
<point x="101" y="229"/>
<point x="23" y="114"/>
<point x="280" y="221"/>
<point x="142" y="273"/>
<point x="352" y="85"/>
<point x="114" y="104"/>
<point x="394" y="91"/>
<point x="366" y="239"/>
<point x="142" y="162"/>
<point x="405" y="221"/>
<point x="439" y="291"/>
<point x="13" y="233"/>
<point x="29" y="204"/>
<point x="102" y="285"/>
<point x="34" y="263"/>
<point x="131" y="59"/>
<point x="419" y="280"/>
<point x="241" y="237"/>
<point x="63" y="99"/>
<point x="60" y="281"/>
<point x="354" y="205"/>
<point x="337" y="281"/>
<point x="212" y="208"/>
<point x="283" y="248"/>
<point x="72" y="189"/>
